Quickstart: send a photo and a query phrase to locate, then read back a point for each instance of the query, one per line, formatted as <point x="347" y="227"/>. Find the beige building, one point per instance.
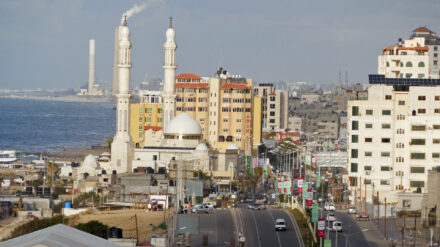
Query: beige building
<point x="192" y="95"/>
<point x="274" y="106"/>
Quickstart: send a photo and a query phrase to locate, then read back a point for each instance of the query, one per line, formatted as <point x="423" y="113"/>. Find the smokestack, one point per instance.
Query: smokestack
<point x="115" y="63"/>
<point x="91" y="67"/>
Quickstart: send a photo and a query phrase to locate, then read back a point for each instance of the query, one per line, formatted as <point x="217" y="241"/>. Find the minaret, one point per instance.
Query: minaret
<point x="169" y="67"/>
<point x="91" y="89"/>
<point x="122" y="146"/>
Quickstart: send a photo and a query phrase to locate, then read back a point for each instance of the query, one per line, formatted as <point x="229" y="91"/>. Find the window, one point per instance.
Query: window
<point x="368" y="154"/>
<point x="437" y="98"/>
<point x="384" y="182"/>
<point x="272" y="114"/>
<point x="401" y="102"/>
<point x="421" y="111"/>
<point x="368" y="139"/>
<point x="354" y="138"/>
<point x="238" y="120"/>
<point x="417" y="156"/>
<point x="422" y="97"/>
<point x="238" y="130"/>
<point x="355" y="110"/>
<point x="400" y="131"/>
<point x="420" y="76"/>
<point x="400" y="159"/>
<point x="354" y="125"/>
<point x="354" y="167"/>
<point x="368" y="126"/>
<point x="386" y="126"/>
<point x="417" y="142"/>
<point x="406" y="203"/>
<point x="408" y="64"/>
<point x="140" y="136"/>
<point x="417" y="184"/>
<point x="367" y="181"/>
<point x="354" y="153"/>
<point x="400" y="117"/>
<point x="385" y="154"/>
<point x="367" y="168"/>
<point x="369" y="112"/>
<point x="437" y="110"/>
<point x="225" y="120"/>
<point x="418" y="127"/>
<point x="436" y="127"/>
<point x="435" y="155"/>
<point x="148" y="110"/>
<point x="272" y="106"/>
<point x="385" y="140"/>
<point x="140" y="119"/>
<point x="386" y="112"/>
<point x="140" y="127"/>
<point x="421" y="64"/>
<point x="385" y="168"/>
<point x="388" y="97"/>
<point x="400" y="145"/>
<point x="408" y="75"/>
<point x="401" y="64"/>
<point x="148" y="119"/>
<point x="436" y="141"/>
<point x="417" y="169"/>
<point x="388" y="64"/>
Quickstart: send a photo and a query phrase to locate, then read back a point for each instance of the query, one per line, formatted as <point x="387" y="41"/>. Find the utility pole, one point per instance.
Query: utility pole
<point x="365" y="198"/>
<point x="415" y="230"/>
<point x="403" y="229"/>
<point x="137" y="232"/>
<point x="378" y="210"/>
<point x="360" y="193"/>
<point x="385" y="222"/>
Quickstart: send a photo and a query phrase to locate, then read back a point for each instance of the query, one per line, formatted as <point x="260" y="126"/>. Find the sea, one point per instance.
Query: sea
<point x="34" y="126"/>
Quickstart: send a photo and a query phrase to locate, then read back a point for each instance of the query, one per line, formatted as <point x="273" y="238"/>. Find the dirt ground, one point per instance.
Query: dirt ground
<point x="125" y="219"/>
<point x="9" y="224"/>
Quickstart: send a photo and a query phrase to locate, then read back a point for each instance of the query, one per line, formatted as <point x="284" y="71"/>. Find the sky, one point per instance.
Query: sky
<point x="44" y="43"/>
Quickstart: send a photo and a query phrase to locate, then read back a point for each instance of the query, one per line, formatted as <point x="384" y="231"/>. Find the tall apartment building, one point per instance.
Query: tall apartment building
<point x="192" y="96"/>
<point x="274" y="106"/>
<point x="148" y="114"/>
<point x="416" y="57"/>
<point x="394" y="137"/>
<point x="224" y="107"/>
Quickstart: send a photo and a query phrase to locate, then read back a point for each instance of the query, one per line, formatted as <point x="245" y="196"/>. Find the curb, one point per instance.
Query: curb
<point x="295" y="225"/>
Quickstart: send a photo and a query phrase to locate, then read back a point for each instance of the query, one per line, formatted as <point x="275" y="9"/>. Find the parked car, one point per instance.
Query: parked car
<point x="337" y="226"/>
<point x="352" y="210"/>
<point x="330" y="217"/>
<point x="280" y="225"/>
<point x="202" y="209"/>
<point x="329" y="206"/>
<point x="208" y="204"/>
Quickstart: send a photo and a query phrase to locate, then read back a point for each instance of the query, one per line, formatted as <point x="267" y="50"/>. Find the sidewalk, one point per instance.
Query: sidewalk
<point x="373" y="235"/>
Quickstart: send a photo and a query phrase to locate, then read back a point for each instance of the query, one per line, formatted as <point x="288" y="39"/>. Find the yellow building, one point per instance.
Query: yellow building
<point x="144" y="116"/>
<point x="192" y="94"/>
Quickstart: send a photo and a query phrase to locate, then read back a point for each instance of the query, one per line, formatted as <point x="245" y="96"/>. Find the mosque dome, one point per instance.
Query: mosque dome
<point x="232" y="146"/>
<point x="183" y="124"/>
<point x="90" y="161"/>
<point x="201" y="147"/>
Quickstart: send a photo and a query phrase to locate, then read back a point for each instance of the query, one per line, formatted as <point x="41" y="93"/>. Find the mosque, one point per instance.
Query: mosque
<point x="182" y="137"/>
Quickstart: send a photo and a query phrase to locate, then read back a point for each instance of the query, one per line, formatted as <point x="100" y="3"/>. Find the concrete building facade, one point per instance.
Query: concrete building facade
<point x="393" y="139"/>
<point x="275" y="106"/>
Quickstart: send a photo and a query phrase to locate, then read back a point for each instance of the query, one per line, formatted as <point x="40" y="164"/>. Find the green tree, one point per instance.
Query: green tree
<point x="94" y="227"/>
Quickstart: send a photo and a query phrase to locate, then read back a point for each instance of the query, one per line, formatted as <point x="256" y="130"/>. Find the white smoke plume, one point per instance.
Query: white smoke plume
<point x="136" y="9"/>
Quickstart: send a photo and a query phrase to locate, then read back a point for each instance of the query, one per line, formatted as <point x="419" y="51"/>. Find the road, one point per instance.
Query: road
<point x="350" y="229"/>
<point x="258" y="227"/>
<point x="219" y="226"/>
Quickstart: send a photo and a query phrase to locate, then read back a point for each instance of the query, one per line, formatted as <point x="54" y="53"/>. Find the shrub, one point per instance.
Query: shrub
<point x="94" y="227"/>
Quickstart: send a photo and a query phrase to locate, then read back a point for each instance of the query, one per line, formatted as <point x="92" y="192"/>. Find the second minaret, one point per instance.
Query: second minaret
<point x="169" y="67"/>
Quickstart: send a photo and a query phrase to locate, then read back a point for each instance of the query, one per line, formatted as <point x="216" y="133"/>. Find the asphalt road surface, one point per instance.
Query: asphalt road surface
<point x="350" y="230"/>
<point x="258" y="227"/>
<point x="218" y="226"/>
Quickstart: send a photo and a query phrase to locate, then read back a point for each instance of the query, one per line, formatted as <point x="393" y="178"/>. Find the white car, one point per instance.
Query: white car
<point x="337" y="226"/>
<point x="352" y="210"/>
<point x="331" y="217"/>
<point x="280" y="225"/>
<point x="329" y="206"/>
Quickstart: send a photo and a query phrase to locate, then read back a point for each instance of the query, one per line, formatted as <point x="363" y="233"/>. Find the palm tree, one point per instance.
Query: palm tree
<point x="108" y="143"/>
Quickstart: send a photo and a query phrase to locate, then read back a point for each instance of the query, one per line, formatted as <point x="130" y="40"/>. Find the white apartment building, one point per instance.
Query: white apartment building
<point x="416" y="57"/>
<point x="275" y="106"/>
<point x="393" y="140"/>
<point x="150" y="97"/>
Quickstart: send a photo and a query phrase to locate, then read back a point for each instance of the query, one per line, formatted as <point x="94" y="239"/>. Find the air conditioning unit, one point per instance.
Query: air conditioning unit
<point x="367" y="172"/>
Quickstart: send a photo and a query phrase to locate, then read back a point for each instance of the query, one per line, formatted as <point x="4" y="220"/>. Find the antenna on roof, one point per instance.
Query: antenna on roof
<point x="171" y="22"/>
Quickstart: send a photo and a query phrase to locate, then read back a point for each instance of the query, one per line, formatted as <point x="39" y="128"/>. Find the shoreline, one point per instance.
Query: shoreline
<point x="69" y="98"/>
